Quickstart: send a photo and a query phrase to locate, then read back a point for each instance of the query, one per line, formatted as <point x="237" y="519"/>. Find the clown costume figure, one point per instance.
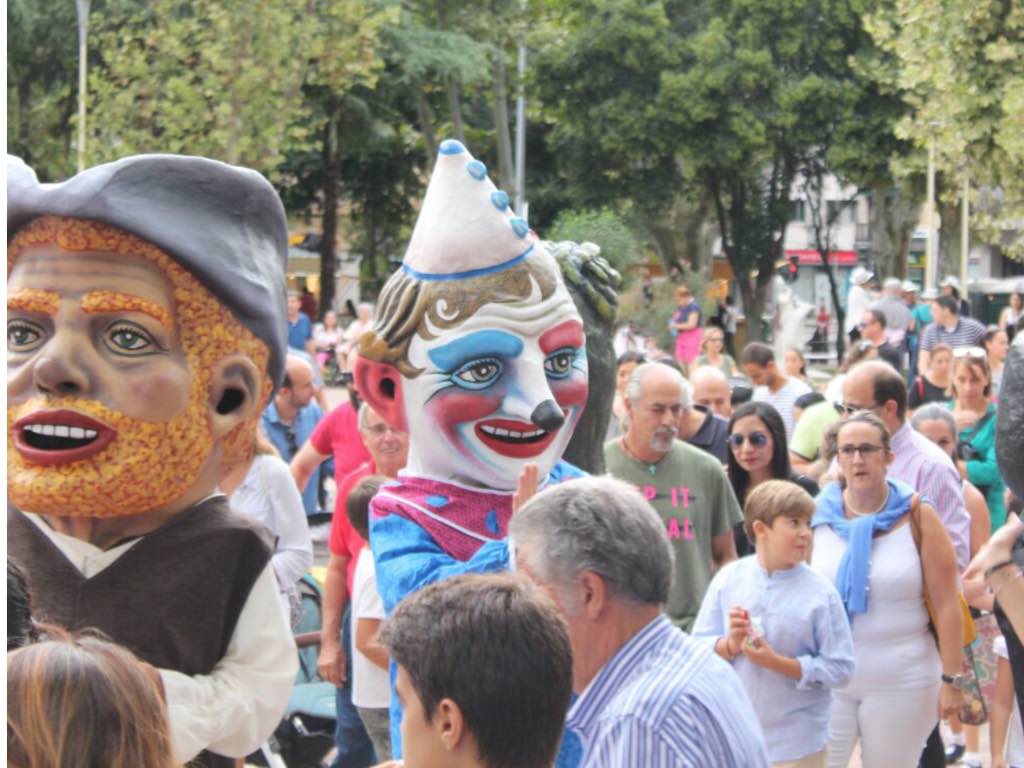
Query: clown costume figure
<point x="479" y="353"/>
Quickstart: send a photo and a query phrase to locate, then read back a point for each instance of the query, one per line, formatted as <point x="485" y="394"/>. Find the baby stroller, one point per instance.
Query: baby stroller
<point x="332" y="373"/>
<point x="306" y="734"/>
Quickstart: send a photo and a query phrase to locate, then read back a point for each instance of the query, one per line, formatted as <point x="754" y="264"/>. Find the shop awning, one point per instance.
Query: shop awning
<point x="813" y="257"/>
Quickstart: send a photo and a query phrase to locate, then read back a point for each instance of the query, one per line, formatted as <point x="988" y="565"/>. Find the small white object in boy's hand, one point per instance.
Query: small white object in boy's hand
<point x="756" y="631"/>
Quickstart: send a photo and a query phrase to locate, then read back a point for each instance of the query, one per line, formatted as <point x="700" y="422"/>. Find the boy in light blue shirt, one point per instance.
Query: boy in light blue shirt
<point x="782" y="626"/>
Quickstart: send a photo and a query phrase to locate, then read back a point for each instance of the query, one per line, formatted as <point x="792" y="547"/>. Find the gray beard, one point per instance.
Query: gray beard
<point x="662" y="443"/>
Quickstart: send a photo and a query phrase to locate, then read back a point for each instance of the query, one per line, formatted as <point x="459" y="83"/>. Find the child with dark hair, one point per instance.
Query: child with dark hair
<point x="371" y="687"/>
<point x="484" y="673"/>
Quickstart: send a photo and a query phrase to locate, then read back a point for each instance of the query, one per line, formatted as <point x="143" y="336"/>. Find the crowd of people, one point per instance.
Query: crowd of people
<point x="891" y="517"/>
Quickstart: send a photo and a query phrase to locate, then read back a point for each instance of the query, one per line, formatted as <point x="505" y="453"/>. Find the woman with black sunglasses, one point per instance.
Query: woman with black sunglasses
<point x="758" y="452"/>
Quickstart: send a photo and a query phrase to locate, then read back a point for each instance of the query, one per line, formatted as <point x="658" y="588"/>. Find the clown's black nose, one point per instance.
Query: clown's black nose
<point x="548" y="416"/>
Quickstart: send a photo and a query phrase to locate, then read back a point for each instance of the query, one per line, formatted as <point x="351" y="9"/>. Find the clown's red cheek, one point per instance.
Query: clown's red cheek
<point x="457" y="406"/>
<point x="571" y="391"/>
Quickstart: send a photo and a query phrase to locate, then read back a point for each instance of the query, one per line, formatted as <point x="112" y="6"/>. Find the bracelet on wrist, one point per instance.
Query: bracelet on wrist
<point x="998" y="566"/>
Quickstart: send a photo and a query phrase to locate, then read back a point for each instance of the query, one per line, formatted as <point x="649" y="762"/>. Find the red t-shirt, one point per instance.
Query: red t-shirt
<point x="337" y="435"/>
<point x="344" y="540"/>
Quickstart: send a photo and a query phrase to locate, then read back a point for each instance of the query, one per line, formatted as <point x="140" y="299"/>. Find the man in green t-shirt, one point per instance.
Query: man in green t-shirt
<point x="686" y="486"/>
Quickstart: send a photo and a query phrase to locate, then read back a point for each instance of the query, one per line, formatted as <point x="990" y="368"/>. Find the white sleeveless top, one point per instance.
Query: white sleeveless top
<point x="892" y="646"/>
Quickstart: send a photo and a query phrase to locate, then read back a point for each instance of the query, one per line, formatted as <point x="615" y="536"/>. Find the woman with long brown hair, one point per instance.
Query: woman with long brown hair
<point x="932" y="386"/>
<point x="975" y="416"/>
<point x="79" y="702"/>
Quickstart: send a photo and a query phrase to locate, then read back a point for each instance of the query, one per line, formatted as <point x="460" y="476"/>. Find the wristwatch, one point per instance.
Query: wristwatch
<point x="957" y="681"/>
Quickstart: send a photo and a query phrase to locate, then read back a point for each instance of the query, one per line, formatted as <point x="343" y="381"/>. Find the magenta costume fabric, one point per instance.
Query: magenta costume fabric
<point x="423" y="530"/>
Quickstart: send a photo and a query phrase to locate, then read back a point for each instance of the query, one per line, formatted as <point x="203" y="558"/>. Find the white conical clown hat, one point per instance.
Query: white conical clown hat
<point x="466" y="227"/>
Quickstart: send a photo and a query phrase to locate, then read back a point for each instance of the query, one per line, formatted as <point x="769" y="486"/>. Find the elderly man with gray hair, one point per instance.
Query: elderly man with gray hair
<point x="649" y="694"/>
<point x="686" y="487"/>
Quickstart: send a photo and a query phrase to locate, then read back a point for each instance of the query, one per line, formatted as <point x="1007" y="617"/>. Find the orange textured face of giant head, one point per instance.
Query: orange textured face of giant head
<point x="129" y="383"/>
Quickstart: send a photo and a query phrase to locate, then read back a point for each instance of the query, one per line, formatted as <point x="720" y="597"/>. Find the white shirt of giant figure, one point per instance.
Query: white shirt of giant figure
<point x="503" y="389"/>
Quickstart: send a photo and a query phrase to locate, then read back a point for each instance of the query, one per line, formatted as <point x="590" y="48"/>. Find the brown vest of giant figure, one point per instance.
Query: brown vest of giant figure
<point x="149" y="600"/>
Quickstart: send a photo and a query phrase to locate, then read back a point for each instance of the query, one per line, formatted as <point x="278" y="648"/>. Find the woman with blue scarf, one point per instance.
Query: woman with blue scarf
<point x="863" y="542"/>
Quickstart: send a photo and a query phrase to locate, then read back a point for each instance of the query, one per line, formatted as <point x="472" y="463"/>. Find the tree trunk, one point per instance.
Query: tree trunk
<point x="689" y="220"/>
<point x="24" y="90"/>
<point x="949" y="242"/>
<point x="665" y="240"/>
<point x="503" y="135"/>
<point x="753" y="307"/>
<point x="455" y="107"/>
<point x="426" y="118"/>
<point x="329" y="225"/>
<point x="837" y="309"/>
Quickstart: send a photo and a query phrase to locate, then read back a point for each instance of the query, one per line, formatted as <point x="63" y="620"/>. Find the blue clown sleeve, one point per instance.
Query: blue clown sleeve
<point x="408" y="558"/>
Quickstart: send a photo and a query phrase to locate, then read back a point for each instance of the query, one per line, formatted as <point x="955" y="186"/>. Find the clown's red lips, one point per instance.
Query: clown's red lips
<point x="50" y="437"/>
<point x="515" y="439"/>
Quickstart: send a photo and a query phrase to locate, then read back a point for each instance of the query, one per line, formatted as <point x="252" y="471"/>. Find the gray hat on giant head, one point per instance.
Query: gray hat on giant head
<point x="222" y="223"/>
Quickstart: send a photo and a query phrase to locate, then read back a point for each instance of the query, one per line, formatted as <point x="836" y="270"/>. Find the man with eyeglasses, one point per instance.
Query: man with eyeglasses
<point x="876" y="386"/>
<point x="291" y="417"/>
<point x="949" y="328"/>
<point x="686" y="486"/>
<point x="388" y="449"/>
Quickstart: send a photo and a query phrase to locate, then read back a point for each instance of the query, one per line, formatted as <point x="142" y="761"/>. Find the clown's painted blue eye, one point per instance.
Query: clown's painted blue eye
<point x="559" y="363"/>
<point x="478" y="374"/>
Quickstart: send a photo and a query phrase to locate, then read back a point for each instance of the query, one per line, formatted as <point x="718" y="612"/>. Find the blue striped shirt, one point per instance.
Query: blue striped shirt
<point x="666" y="700"/>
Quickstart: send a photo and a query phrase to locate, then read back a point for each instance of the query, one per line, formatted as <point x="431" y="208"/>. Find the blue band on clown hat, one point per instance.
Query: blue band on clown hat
<point x="466" y="227"/>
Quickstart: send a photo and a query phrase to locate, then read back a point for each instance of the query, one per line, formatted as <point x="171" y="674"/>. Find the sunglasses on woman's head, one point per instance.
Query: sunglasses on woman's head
<point x="757" y="439"/>
<point x="972" y="352"/>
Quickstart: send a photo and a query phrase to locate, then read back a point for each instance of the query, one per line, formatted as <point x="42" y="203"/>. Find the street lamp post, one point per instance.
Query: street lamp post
<point x="931" y="266"/>
<point x="520" y="190"/>
<point x="965" y="230"/>
<point x="82" y="7"/>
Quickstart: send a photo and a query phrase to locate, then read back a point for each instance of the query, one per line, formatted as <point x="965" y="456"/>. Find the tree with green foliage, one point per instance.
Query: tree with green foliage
<point x="725" y="101"/>
<point x="435" y="57"/>
<point x="619" y="244"/>
<point x="219" y="78"/>
<point x="236" y="82"/>
<point x="959" y="65"/>
<point x="42" y="95"/>
<point x="345" y="55"/>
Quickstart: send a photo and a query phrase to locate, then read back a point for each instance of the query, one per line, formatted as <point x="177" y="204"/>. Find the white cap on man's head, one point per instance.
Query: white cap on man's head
<point x="951" y="281"/>
<point x="909" y="286"/>
<point x="859" y="276"/>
